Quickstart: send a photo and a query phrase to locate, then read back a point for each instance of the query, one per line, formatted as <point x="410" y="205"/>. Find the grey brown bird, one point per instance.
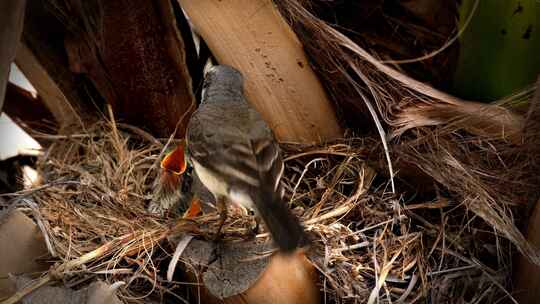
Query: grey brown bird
<point x="235" y="155"/>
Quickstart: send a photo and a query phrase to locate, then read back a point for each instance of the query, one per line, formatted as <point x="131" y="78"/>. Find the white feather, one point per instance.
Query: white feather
<point x="241" y="198"/>
<point x="214" y="184"/>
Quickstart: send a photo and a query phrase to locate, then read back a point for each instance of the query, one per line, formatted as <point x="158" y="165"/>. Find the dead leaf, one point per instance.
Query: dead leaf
<point x="22" y="243"/>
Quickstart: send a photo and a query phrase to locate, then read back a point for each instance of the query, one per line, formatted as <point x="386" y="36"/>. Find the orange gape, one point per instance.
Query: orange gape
<point x="174" y="165"/>
<point x="175" y="161"/>
<point x="194" y="209"/>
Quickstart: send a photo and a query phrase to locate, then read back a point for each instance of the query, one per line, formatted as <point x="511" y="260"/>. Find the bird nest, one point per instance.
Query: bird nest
<point x="368" y="243"/>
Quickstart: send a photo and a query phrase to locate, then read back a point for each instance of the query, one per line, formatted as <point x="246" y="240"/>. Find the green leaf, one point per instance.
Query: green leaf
<point x="500" y="48"/>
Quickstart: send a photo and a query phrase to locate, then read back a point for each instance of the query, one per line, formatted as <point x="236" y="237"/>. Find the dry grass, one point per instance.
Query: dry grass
<point x="473" y="155"/>
<point x="369" y="245"/>
<point x="93" y="205"/>
<point x="401" y="249"/>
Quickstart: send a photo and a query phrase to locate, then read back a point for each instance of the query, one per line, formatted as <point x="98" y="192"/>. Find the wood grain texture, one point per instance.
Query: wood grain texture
<point x="252" y="36"/>
<point x="145" y="59"/>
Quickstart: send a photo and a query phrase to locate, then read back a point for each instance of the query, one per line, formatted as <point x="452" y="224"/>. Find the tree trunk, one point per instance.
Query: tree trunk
<point x="137" y="61"/>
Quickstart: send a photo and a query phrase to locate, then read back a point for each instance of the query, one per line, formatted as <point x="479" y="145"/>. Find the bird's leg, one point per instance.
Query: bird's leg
<point x="222" y="209"/>
<point x="255" y="229"/>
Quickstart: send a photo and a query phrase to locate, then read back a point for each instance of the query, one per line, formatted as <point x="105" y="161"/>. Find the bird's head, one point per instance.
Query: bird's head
<point x="174" y="161"/>
<point x="222" y="81"/>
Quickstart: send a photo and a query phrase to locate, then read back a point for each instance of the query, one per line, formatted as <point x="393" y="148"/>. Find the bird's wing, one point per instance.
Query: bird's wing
<point x="222" y="144"/>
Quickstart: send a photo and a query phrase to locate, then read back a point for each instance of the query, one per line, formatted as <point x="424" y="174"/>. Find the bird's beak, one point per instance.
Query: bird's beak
<point x="175" y="161"/>
<point x="194" y="208"/>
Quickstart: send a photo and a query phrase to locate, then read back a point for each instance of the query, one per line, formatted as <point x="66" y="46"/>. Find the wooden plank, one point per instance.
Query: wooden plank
<point x="252" y="36"/>
<point x="11" y="26"/>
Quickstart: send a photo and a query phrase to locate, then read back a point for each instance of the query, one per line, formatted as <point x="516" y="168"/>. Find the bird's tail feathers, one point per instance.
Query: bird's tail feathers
<point x="284" y="227"/>
<point x="282" y="224"/>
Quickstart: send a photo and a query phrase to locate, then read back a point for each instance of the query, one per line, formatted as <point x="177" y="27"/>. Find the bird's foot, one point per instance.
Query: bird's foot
<point x="222" y="210"/>
<point x="254" y="229"/>
<point x="219" y="233"/>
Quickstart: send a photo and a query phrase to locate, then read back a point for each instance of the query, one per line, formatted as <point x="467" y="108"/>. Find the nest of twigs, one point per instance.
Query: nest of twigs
<point x="369" y="244"/>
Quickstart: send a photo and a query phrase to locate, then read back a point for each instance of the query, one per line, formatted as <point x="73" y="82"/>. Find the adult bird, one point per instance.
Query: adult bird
<point x="235" y="155"/>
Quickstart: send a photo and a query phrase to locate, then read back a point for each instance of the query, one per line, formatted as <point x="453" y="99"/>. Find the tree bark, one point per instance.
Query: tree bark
<point x="43" y="60"/>
<point x="138" y="64"/>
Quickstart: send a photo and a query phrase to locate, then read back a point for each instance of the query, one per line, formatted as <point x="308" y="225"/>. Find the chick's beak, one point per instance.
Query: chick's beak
<point x="175" y="161"/>
<point x="194" y="208"/>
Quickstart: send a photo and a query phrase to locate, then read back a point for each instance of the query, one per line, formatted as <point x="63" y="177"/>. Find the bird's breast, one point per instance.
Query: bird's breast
<point x="210" y="180"/>
<point x="215" y="184"/>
